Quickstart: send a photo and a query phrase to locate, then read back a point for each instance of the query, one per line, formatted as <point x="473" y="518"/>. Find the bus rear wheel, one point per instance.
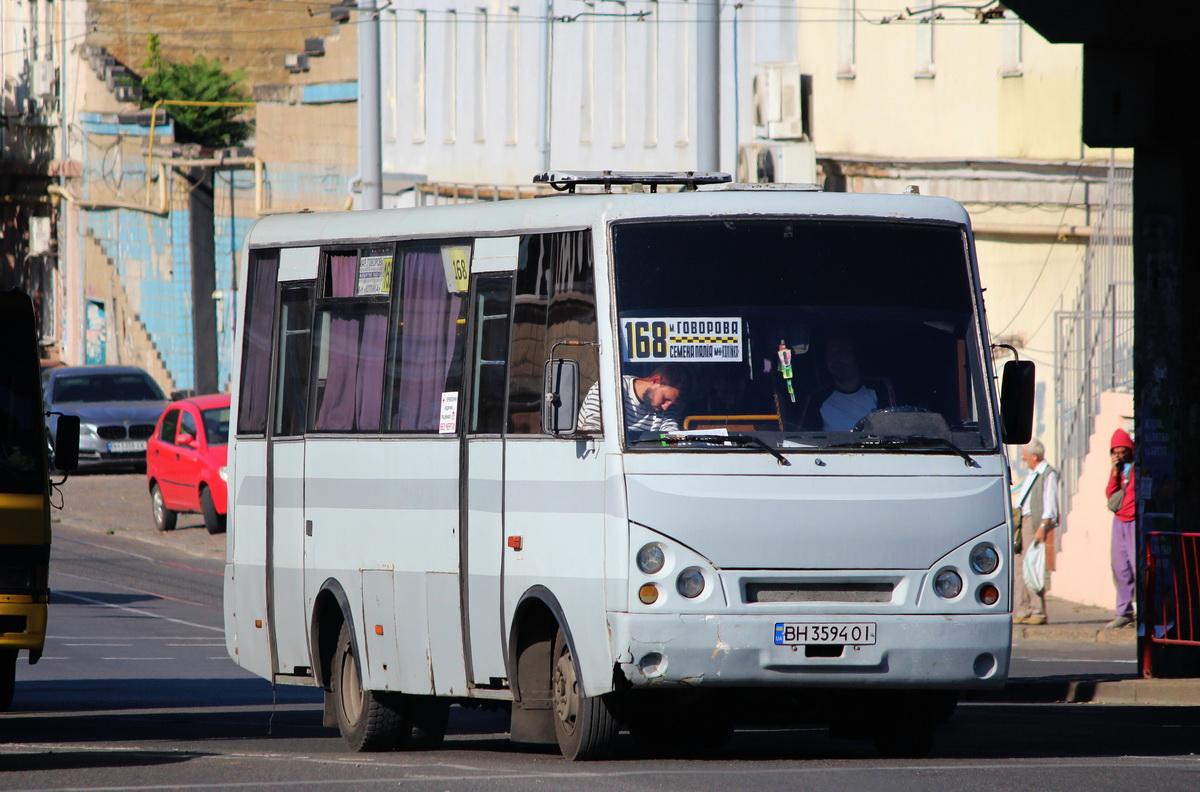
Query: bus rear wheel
<point x="373" y="720"/>
<point x="585" y="726"/>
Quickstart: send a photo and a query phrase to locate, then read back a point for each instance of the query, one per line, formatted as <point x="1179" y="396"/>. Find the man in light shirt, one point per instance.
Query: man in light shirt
<point x="1038" y="498"/>
<point x="651" y="403"/>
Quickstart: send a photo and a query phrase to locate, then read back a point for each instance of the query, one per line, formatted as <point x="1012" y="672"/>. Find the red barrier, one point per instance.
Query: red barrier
<point x="1173" y="588"/>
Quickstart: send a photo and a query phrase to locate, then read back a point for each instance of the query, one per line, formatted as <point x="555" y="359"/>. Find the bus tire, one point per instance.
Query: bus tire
<point x="585" y="727"/>
<point x="215" y="523"/>
<point x="368" y="720"/>
<point x="8" y="677"/>
<point x="164" y="518"/>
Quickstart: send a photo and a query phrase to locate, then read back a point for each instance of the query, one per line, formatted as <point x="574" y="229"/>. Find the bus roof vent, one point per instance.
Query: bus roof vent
<point x="567" y="181"/>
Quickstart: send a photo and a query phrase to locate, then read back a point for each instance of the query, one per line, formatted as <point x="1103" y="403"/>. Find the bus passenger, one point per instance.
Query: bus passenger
<point x="839" y="408"/>
<point x="652" y="403"/>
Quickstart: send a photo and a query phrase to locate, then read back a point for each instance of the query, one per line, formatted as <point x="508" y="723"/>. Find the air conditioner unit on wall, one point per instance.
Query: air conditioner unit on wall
<point x="777" y="162"/>
<point x="782" y="102"/>
<point x="45" y="78"/>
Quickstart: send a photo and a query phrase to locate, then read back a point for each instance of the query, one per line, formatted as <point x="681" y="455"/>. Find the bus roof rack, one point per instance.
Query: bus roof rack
<point x="567" y="181"/>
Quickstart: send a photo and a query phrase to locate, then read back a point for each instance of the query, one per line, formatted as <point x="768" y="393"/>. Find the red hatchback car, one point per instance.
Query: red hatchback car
<point x="185" y="461"/>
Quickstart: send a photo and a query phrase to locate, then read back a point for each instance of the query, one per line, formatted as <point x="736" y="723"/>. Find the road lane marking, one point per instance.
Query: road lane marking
<point x="138" y="611"/>
<point x="139" y="556"/>
<point x="130" y="588"/>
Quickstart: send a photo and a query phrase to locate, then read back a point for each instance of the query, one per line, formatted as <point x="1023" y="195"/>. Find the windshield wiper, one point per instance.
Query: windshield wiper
<point x="875" y="441"/>
<point x="743" y="440"/>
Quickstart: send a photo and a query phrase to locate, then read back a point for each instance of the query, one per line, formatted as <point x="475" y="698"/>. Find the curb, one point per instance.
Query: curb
<point x="1053" y="632"/>
<point x="1099" y="690"/>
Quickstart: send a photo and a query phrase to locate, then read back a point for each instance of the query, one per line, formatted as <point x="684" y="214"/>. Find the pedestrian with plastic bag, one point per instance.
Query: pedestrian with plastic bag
<point x="1037" y="500"/>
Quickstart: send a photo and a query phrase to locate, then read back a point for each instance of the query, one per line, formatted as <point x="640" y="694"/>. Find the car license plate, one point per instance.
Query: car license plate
<point x="855" y="634"/>
<point x="126" y="446"/>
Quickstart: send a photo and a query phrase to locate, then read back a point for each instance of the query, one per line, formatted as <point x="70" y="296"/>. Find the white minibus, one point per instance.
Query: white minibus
<point x="661" y="453"/>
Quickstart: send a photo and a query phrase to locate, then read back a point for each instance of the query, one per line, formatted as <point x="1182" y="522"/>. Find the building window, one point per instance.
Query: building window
<point x="847" y="19"/>
<point x="450" y="78"/>
<point x="480" y="76"/>
<point x="925" y="64"/>
<point x="513" y="78"/>
<point x="1012" y="64"/>
<point x="419" y="77"/>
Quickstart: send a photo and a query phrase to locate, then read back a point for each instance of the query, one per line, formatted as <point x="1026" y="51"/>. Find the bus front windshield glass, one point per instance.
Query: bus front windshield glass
<point x="795" y="333"/>
<point x="21" y="433"/>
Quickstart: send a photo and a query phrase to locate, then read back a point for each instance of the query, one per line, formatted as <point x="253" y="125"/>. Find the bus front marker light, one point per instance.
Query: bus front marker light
<point x="648" y="594"/>
<point x="690" y="582"/>
<point x="651" y="559"/>
<point x="984" y="559"/>
<point x="989" y="594"/>
<point x="948" y="584"/>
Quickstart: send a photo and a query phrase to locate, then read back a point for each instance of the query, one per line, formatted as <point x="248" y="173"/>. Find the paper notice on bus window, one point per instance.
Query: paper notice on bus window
<point x="457" y="261"/>
<point x="694" y="339"/>
<point x="448" y="421"/>
<point x="374" y="275"/>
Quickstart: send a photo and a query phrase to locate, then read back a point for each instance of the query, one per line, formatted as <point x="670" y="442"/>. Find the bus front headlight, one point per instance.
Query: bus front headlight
<point x="984" y="559"/>
<point x="690" y="582"/>
<point x="947" y="584"/>
<point x="651" y="558"/>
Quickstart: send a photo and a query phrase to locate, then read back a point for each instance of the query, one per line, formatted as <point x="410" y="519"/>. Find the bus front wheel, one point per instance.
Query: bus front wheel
<point x="585" y="726"/>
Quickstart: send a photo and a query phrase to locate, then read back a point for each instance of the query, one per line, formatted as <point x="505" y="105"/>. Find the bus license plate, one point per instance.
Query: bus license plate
<point x="126" y="446"/>
<point x="857" y="634"/>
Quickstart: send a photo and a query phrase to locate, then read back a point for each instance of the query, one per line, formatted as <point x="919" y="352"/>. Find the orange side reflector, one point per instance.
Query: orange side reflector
<point x="514" y="542"/>
<point x="258" y="623"/>
<point x="379" y="629"/>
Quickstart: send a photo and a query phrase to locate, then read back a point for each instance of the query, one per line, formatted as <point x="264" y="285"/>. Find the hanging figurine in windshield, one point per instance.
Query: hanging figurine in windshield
<point x="840" y="407"/>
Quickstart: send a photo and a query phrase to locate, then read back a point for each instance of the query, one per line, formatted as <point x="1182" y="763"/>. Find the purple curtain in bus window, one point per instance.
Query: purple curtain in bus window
<point x="341" y="379"/>
<point x="430" y="315"/>
<point x="369" y="386"/>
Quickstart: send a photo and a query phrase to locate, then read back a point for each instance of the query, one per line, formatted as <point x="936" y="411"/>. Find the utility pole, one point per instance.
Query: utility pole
<point x="370" y="147"/>
<point x="708" y="85"/>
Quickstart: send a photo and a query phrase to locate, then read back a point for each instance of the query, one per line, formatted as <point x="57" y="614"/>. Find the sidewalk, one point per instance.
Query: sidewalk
<point x="1070" y="621"/>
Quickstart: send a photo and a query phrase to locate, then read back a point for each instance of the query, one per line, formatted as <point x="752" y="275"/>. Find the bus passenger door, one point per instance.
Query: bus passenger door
<point x="483" y="537"/>
<point x="285" y="488"/>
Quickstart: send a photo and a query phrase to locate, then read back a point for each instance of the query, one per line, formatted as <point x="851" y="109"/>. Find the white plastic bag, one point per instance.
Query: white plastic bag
<point x="1035" y="567"/>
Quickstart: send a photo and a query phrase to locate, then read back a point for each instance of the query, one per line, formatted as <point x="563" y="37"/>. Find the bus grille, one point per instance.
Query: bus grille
<point x="778" y="591"/>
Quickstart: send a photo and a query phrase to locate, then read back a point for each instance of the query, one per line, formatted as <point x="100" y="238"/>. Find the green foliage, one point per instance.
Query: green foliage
<point x="202" y="80"/>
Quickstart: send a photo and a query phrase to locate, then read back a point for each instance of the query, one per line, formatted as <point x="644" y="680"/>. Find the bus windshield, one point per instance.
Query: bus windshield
<point x="21" y="433"/>
<point x="800" y="332"/>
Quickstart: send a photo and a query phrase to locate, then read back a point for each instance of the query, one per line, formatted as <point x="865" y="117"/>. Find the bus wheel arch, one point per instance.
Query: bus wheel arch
<point x="331" y="610"/>
<point x="548" y="707"/>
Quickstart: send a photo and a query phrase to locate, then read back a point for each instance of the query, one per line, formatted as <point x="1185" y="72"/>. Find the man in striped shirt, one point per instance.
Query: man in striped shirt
<point x="652" y="403"/>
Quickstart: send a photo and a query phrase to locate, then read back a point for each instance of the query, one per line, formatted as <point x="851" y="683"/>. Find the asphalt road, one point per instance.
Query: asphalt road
<point x="136" y="692"/>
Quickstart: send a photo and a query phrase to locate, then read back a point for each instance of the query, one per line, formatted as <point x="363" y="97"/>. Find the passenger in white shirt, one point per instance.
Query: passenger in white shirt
<point x="652" y="403"/>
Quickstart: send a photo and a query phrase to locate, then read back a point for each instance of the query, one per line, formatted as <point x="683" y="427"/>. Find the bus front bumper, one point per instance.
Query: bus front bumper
<point x="963" y="651"/>
<point x="22" y="622"/>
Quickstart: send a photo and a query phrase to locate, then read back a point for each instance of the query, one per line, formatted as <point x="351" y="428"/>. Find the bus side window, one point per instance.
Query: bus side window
<point x="295" y="342"/>
<point x="428" y="336"/>
<point x="350" y="344"/>
<point x="493" y="300"/>
<point x="554" y="315"/>
<point x="256" y="345"/>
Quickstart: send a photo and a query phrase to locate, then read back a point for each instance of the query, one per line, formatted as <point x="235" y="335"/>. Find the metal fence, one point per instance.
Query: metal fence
<point x="1093" y="343"/>
<point x="1173" y="587"/>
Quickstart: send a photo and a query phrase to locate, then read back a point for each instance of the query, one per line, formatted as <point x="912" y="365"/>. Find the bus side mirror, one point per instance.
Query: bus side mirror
<point x="66" y="443"/>
<point x="1016" y="401"/>
<point x="561" y="407"/>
